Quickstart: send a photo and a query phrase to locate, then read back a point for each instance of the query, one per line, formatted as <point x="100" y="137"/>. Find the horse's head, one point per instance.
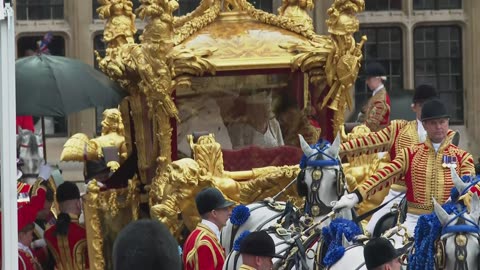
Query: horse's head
<point x="30" y="150"/>
<point x="460" y="238"/>
<point x="321" y="178"/>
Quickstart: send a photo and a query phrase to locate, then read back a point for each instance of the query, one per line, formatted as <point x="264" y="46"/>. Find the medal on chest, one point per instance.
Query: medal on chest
<point x="449" y="161"/>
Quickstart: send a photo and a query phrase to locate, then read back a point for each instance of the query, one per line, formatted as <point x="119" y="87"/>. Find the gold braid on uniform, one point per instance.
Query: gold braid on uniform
<point x="192" y="256"/>
<point x="384" y="177"/>
<point x="375" y="142"/>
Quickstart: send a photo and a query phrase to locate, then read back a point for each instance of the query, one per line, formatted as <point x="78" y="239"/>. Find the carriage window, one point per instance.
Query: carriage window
<point x="384" y="45"/>
<point x="438" y="62"/>
<point x="242" y="111"/>
<point x="39" y="10"/>
<point x="27" y="46"/>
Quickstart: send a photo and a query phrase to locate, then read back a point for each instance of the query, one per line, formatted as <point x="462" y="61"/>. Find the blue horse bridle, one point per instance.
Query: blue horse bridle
<point x="314" y="206"/>
<point x="460" y="230"/>
<point x="472" y="227"/>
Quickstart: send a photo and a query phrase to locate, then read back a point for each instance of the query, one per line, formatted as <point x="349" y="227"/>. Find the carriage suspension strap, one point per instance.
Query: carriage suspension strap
<point x="374" y="210"/>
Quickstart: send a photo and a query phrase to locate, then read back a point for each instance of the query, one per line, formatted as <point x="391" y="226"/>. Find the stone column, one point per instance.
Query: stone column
<point x="79" y="16"/>
<point x="471" y="60"/>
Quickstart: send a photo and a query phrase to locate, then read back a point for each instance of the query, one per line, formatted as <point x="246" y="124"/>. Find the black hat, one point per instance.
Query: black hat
<point x="209" y="199"/>
<point x="434" y="109"/>
<point x="424" y="92"/>
<point x="146" y="244"/>
<point x="379" y="251"/>
<point x="258" y="244"/>
<point x="67" y="191"/>
<point x="375" y="70"/>
<point x="94" y="168"/>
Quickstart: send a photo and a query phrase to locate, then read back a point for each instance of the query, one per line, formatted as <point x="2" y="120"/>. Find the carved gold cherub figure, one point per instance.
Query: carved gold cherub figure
<point x="112" y="139"/>
<point x="173" y="193"/>
<point x="297" y="10"/>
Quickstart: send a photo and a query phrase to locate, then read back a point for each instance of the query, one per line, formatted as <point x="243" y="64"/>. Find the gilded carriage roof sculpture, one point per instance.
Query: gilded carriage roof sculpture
<point x="224" y="40"/>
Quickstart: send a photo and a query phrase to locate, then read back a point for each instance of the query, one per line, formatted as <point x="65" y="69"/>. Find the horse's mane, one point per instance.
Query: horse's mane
<point x="32" y="141"/>
<point x="427" y="231"/>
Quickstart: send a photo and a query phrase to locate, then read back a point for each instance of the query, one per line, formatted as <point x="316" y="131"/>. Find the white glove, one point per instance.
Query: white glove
<point x="346" y="201"/>
<point x="40" y="243"/>
<point x="45" y="171"/>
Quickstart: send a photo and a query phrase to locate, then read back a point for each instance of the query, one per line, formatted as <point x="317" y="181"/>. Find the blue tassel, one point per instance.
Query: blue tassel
<point x="332" y="238"/>
<point x="240" y="215"/>
<point x="427" y="231"/>
<point x="238" y="241"/>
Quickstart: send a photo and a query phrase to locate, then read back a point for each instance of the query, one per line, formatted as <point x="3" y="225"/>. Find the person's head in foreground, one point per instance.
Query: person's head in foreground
<point x="380" y="254"/>
<point x="257" y="250"/>
<point x="146" y="244"/>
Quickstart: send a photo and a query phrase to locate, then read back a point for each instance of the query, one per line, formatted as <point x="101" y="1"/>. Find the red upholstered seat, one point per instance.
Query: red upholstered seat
<point x="255" y="157"/>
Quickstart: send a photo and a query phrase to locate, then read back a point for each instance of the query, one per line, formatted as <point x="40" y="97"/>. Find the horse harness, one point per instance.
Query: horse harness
<point x="314" y="205"/>
<point x="461" y="229"/>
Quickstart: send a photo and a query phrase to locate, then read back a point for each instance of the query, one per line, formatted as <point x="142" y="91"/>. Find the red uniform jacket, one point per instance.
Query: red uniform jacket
<point x="28" y="211"/>
<point x="376" y="113"/>
<point x="425" y="174"/>
<point x="202" y="250"/>
<point x="400" y="134"/>
<point x="26" y="261"/>
<point x="70" y="252"/>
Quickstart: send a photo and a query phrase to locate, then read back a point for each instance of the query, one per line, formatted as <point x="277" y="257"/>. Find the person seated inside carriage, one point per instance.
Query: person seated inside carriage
<point x="257" y="125"/>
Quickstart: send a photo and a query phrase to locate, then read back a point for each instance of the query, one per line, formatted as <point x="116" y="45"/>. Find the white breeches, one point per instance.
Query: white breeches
<point x="384" y="210"/>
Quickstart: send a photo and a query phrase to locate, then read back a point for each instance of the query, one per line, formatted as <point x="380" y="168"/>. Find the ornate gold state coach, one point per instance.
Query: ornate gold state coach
<point x="243" y="81"/>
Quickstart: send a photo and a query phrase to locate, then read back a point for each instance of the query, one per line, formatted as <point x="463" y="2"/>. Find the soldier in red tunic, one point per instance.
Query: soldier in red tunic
<point x="425" y="167"/>
<point x="202" y="250"/>
<point x="39" y="246"/>
<point x="376" y="113"/>
<point x="398" y="135"/>
<point x="26" y="217"/>
<point x="66" y="239"/>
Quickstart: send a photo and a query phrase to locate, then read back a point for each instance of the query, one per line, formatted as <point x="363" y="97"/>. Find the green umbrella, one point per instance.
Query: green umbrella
<point x="57" y="86"/>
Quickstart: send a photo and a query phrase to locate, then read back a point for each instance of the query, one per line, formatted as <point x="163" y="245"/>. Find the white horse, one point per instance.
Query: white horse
<point x="30" y="151"/>
<point x="461" y="225"/>
<point x="459" y="238"/>
<point x="321" y="181"/>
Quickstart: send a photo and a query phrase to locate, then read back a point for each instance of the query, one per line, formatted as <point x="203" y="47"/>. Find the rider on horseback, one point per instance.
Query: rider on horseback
<point x="425" y="167"/>
<point x="398" y="135"/>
